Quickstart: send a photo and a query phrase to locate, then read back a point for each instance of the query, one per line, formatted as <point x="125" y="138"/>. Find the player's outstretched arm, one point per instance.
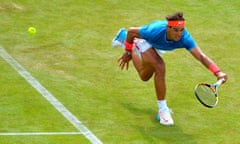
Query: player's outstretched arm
<point x="208" y="63"/>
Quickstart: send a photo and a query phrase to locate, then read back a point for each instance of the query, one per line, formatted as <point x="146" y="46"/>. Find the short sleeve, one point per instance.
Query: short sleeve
<point x="189" y="42"/>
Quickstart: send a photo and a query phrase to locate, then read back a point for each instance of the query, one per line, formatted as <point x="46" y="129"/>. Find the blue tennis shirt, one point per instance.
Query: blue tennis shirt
<point x="155" y="34"/>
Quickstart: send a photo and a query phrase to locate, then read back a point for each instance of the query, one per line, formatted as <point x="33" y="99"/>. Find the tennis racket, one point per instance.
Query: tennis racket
<point x="207" y="94"/>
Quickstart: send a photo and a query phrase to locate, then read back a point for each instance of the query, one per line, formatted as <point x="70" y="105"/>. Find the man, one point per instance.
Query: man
<point x="144" y="46"/>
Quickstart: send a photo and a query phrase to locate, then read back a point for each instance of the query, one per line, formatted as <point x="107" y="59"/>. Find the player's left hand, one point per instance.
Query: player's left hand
<point x="124" y="60"/>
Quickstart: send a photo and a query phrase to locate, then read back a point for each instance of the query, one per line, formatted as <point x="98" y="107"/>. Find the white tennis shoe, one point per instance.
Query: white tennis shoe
<point x="164" y="116"/>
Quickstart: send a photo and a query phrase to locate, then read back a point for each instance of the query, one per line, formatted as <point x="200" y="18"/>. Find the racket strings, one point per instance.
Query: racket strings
<point x="206" y="94"/>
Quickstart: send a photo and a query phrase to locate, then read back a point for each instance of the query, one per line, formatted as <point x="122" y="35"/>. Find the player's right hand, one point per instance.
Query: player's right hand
<point x="124" y="59"/>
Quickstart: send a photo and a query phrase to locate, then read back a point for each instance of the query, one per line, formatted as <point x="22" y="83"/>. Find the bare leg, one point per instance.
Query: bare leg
<point x="151" y="63"/>
<point x="144" y="70"/>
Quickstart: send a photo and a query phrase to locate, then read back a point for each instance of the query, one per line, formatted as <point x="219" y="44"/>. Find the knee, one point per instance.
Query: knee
<point x="145" y="76"/>
<point x="146" y="79"/>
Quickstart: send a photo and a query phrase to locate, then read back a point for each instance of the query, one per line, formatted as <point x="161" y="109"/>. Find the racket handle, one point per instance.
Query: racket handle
<point x="219" y="82"/>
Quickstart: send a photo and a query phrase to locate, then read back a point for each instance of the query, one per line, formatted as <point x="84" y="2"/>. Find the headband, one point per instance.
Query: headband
<point x="176" y="23"/>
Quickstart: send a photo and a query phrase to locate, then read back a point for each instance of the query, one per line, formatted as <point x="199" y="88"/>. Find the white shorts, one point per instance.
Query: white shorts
<point x="143" y="45"/>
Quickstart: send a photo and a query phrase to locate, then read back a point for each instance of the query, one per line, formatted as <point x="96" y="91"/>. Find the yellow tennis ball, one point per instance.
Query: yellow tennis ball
<point x="32" y="30"/>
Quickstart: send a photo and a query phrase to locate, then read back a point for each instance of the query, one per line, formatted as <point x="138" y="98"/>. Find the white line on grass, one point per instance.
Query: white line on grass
<point x="48" y="96"/>
<point x="38" y="133"/>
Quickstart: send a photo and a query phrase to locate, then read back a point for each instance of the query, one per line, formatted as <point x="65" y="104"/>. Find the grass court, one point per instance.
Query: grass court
<point x="71" y="57"/>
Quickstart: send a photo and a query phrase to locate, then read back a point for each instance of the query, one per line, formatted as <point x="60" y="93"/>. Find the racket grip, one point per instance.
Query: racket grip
<point x="220" y="81"/>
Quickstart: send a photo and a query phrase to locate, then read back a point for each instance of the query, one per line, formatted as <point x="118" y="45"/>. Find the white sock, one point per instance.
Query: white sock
<point x="162" y="104"/>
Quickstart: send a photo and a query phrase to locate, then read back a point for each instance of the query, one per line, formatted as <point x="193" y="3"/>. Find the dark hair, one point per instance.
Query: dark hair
<point x="175" y="16"/>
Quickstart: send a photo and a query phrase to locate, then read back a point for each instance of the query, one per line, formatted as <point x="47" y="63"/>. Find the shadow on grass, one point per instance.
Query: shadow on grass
<point x="157" y="133"/>
<point x="164" y="134"/>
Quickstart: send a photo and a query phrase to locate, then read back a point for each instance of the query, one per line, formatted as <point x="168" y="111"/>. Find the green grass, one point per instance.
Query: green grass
<point x="71" y="56"/>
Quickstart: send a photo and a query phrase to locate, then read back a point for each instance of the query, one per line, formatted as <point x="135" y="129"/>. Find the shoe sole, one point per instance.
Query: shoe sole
<point x="114" y="44"/>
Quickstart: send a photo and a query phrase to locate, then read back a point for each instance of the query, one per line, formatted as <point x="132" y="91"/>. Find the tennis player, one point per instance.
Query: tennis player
<point x="144" y="45"/>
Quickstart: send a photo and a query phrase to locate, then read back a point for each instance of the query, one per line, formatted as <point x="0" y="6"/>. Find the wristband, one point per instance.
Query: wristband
<point x="214" y="68"/>
<point x="128" y="46"/>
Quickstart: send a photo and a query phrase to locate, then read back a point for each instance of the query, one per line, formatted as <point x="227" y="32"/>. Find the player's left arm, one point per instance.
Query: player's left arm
<point x="208" y="63"/>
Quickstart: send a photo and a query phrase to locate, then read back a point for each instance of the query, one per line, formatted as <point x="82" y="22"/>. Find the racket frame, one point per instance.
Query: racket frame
<point x="214" y="88"/>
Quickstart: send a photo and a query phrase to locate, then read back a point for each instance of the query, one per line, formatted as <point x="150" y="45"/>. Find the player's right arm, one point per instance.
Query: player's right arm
<point x="133" y="32"/>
